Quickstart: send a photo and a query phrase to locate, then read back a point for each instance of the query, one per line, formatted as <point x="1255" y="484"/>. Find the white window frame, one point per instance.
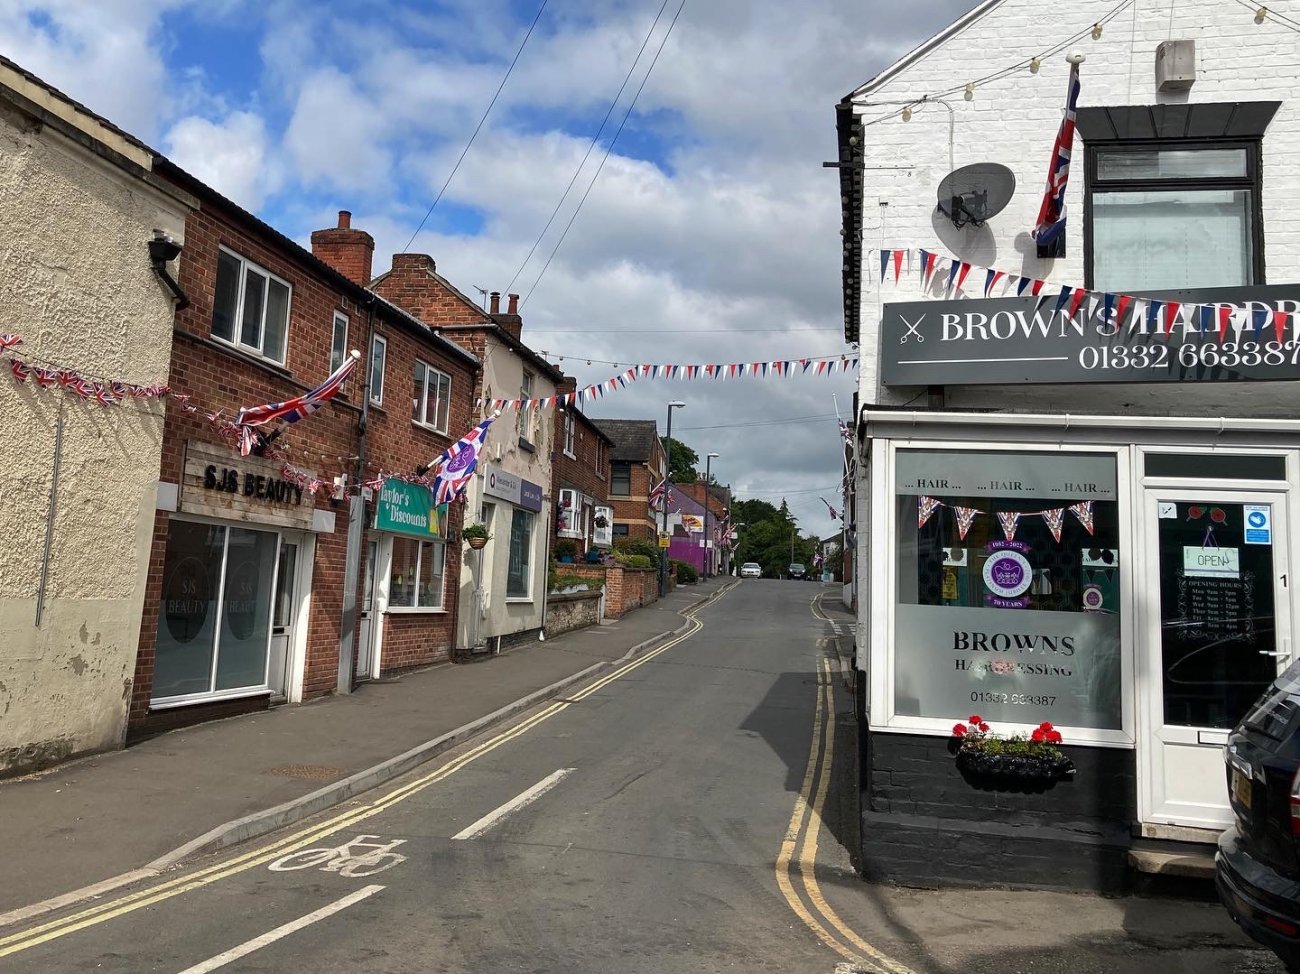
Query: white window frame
<point x="203" y="696"/>
<point x="424" y="399"/>
<point x="532" y="556"/>
<point x="338" y="353"/>
<point x="884" y="572"/>
<point x="570" y="429"/>
<point x="441" y="607"/>
<point x="522" y="422"/>
<point x="377" y="384"/>
<point x="236" y="341"/>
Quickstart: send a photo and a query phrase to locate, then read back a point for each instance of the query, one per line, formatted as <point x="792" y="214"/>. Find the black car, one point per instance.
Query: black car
<point x="797" y="570"/>
<point x="1257" y="868"/>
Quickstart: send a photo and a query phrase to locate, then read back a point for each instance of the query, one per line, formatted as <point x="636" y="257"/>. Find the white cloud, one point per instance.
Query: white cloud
<point x="232" y="156"/>
<point x="337" y="134"/>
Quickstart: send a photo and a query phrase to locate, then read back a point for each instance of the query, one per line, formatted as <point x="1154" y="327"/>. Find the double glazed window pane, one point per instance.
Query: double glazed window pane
<point x="621" y="483"/>
<point x="521" y="542"/>
<point x="1178" y="238"/>
<point x="416" y="578"/>
<point x="246" y="609"/>
<point x="1171" y="164"/>
<point x="339" y="346"/>
<point x="225" y="303"/>
<point x="432" y="399"/>
<point x="259" y="317"/>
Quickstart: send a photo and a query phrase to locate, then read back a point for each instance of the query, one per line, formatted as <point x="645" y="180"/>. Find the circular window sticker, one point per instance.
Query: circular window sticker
<point x="1093" y="598"/>
<point x="1008" y="574"/>
<point x="187" y="594"/>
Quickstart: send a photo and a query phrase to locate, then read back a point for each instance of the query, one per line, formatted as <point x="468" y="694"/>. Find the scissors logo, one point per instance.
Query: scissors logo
<point x="913" y="330"/>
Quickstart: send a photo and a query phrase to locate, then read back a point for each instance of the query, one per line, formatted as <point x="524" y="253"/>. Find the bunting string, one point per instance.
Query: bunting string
<point x="1008" y="520"/>
<point x="955" y="279"/>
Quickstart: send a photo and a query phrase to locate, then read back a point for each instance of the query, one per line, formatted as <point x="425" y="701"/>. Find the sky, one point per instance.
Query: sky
<point x="710" y="234"/>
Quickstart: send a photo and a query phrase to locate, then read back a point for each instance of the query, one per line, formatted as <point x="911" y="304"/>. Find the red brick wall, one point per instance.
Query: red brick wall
<point x="580" y="472"/>
<point x="218" y="377"/>
<point x="625" y="588"/>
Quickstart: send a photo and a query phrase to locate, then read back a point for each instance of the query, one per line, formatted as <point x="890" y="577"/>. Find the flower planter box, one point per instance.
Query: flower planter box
<point x="1020" y="763"/>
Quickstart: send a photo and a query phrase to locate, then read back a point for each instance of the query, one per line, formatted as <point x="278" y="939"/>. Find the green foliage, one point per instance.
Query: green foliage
<point x="555" y="581"/>
<point x="681" y="461"/>
<point x="686" y="573"/>
<point x="770" y="537"/>
<point x="566" y="548"/>
<point x="636" y="561"/>
<point x="636" y="546"/>
<point x="475" y="531"/>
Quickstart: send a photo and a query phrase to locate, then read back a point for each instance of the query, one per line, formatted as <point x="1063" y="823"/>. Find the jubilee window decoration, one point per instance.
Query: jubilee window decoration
<point x="1008" y="587"/>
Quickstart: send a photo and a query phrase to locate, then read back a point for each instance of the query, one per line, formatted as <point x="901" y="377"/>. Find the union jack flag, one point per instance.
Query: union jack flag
<point x="834" y="513"/>
<point x="1051" y="215"/>
<point x="660" y="495"/>
<point x="456" y="465"/>
<point x="292" y="410"/>
<point x="846" y="432"/>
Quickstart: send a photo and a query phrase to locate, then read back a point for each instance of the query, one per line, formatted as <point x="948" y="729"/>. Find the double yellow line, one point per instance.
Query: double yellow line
<point x="798" y="859"/>
<point x="120" y="906"/>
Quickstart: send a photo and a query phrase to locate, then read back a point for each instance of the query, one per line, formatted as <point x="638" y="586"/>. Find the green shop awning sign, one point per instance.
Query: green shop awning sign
<point x="408" y="509"/>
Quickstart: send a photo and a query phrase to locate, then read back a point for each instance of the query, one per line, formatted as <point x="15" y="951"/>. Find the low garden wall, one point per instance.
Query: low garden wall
<point x="577" y="610"/>
<point x="625" y="588"/>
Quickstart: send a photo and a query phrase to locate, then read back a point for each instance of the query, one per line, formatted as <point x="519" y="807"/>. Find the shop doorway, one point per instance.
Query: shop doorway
<point x="285" y="607"/>
<point x="1216" y="630"/>
<point x="366" y="619"/>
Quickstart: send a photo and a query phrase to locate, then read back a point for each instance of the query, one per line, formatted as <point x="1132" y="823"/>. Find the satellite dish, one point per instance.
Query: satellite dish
<point x="972" y="194"/>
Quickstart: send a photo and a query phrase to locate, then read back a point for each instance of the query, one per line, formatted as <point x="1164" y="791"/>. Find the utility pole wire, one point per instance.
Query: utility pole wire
<point x="605" y="157"/>
<point x="479" y="126"/>
<point x="591" y="145"/>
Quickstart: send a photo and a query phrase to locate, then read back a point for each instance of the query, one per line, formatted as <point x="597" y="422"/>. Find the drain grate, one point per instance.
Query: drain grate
<point x="312" y="772"/>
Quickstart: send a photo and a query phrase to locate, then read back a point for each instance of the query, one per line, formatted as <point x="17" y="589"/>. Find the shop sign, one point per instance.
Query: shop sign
<point x="692" y="523"/>
<point x="1259" y="526"/>
<point x="217" y="482"/>
<point x="512" y="488"/>
<point x="1025" y="667"/>
<point x="1211" y="562"/>
<point x="1071" y="477"/>
<point x="1028" y="340"/>
<point x="405" y="508"/>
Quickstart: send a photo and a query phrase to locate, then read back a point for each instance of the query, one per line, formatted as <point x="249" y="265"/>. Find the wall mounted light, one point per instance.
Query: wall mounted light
<point x="1034" y="65"/>
<point x="907" y="113"/>
<point x="1096" y="32"/>
<point x="1261" y="14"/>
<point x="970" y="91"/>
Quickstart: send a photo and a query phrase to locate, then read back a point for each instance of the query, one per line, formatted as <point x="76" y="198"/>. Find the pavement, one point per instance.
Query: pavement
<point x="98" y="823"/>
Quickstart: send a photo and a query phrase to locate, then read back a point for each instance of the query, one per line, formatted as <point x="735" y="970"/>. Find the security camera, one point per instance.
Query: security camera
<point x="162" y="248"/>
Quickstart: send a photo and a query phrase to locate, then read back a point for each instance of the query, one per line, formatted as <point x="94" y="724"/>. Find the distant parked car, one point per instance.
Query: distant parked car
<point x="796" y="570"/>
<point x="1257" y="868"/>
<point x="750" y="570"/>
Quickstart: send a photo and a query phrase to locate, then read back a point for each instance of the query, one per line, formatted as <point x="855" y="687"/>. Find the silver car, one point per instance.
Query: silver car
<point x="750" y="570"/>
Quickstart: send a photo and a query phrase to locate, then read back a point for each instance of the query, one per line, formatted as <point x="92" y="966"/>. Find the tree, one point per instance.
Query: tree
<point x="681" y="461"/>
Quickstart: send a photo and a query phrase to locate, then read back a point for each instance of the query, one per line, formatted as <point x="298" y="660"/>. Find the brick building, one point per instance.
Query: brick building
<point x="503" y="597"/>
<point x="638" y="462"/>
<point x="1052" y="429"/>
<point x="581" y="466"/>
<point x="265" y="321"/>
<point x="713" y="541"/>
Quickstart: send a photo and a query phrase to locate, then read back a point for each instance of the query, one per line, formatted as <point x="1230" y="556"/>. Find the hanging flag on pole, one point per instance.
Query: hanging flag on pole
<point x="454" y="469"/>
<point x="659" y="495"/>
<point x="1051" y="215"/>
<point x="292" y="410"/>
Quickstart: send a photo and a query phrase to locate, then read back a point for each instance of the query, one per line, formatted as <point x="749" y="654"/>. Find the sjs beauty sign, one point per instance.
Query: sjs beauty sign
<point x="1216" y="335"/>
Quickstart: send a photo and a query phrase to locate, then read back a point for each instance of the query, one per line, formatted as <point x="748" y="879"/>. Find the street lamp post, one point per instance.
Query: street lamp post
<point x="668" y="479"/>
<point x="708" y="552"/>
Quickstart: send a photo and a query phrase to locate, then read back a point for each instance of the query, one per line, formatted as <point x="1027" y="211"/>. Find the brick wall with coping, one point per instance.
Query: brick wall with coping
<point x="577" y="610"/>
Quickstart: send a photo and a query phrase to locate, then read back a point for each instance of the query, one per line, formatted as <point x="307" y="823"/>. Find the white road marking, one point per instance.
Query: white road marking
<point x="519" y="801"/>
<point x="271" y="936"/>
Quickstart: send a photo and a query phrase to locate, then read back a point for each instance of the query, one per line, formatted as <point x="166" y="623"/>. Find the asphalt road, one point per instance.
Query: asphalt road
<point x="665" y="818"/>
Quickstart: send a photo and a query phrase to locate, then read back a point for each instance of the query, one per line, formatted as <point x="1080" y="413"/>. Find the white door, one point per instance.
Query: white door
<point x="366" y="619"/>
<point x="283" y="617"/>
<point x="1217" y="630"/>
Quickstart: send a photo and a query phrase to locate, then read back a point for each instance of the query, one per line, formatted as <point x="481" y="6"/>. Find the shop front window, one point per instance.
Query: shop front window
<point x="214" y="621"/>
<point x="415" y="581"/>
<point x="1008" y="588"/>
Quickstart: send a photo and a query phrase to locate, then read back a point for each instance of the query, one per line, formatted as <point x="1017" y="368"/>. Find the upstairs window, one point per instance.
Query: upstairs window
<point x="569" y="425"/>
<point x="378" y="359"/>
<point x="431" y="404"/>
<point x="600" y="458"/>
<point x="250" y="308"/>
<point x="523" y="413"/>
<point x="1168" y="215"/>
<point x="621" y="484"/>
<point x="339" y="344"/>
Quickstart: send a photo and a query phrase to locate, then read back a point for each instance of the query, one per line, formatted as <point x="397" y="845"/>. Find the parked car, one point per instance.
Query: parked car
<point x="750" y="569"/>
<point x="1257" y="868"/>
<point x="796" y="570"/>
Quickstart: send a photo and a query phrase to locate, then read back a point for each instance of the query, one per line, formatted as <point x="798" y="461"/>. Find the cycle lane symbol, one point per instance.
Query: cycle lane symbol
<point x="361" y="856"/>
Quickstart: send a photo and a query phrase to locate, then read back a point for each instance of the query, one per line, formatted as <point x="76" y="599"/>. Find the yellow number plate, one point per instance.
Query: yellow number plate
<point x="1241" y="788"/>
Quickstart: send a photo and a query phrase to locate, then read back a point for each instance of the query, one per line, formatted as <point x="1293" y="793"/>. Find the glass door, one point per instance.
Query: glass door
<point x="366" y="619"/>
<point x="284" y="609"/>
<point x="1218" y="631"/>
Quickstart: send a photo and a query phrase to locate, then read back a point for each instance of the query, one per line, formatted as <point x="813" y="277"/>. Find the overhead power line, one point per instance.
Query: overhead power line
<point x="591" y="145"/>
<point x="605" y="157"/>
<point x="479" y="126"/>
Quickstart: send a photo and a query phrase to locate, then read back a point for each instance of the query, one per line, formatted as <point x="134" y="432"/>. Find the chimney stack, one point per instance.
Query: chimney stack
<point x="350" y="252"/>
<point x="494" y="303"/>
<point x="512" y="308"/>
<point x="510" y="321"/>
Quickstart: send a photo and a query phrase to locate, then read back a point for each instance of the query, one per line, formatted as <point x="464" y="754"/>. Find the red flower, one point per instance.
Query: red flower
<point x="1054" y="737"/>
<point x="984" y="727"/>
<point x="959" y="730"/>
<point x="1045" y="726"/>
<point x="1038" y="735"/>
<point x="976" y="719"/>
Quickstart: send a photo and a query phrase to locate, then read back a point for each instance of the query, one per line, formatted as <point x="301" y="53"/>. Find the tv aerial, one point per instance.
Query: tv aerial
<point x="972" y="194"/>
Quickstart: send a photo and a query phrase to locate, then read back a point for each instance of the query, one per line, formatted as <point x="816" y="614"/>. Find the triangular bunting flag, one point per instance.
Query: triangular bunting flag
<point x="965" y="518"/>
<point x="1083" y="511"/>
<point x="1020" y="286"/>
<point x="898" y="263"/>
<point x="961" y="277"/>
<point x="884" y="264"/>
<point x="925" y="507"/>
<point x="1009" y="521"/>
<point x="1055" y="521"/>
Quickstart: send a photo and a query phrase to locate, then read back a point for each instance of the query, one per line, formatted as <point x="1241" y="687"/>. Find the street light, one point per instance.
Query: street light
<point x="668" y="479"/>
<point x="708" y="552"/>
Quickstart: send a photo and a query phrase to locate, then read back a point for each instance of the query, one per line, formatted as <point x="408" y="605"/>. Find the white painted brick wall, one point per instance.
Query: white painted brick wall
<point x="1014" y="121"/>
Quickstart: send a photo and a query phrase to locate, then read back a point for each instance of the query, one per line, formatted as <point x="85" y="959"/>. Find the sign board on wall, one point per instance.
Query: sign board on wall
<point x="218" y="482"/>
<point x="511" y="487"/>
<point x="1026" y="339"/>
<point x="405" y="508"/>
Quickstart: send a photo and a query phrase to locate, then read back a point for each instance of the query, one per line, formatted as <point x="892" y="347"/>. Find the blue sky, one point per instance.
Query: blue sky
<point x="711" y="235"/>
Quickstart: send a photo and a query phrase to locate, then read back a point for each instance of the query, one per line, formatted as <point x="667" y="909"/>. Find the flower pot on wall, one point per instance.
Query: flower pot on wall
<point x="477" y="542"/>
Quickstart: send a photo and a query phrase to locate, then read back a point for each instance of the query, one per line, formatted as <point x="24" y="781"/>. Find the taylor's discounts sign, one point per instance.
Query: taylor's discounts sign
<point x="1214" y="334"/>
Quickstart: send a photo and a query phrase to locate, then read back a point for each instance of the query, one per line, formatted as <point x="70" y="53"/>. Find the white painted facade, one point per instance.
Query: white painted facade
<point x="1013" y="121"/>
<point x="518" y="446"/>
<point x="78" y="207"/>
